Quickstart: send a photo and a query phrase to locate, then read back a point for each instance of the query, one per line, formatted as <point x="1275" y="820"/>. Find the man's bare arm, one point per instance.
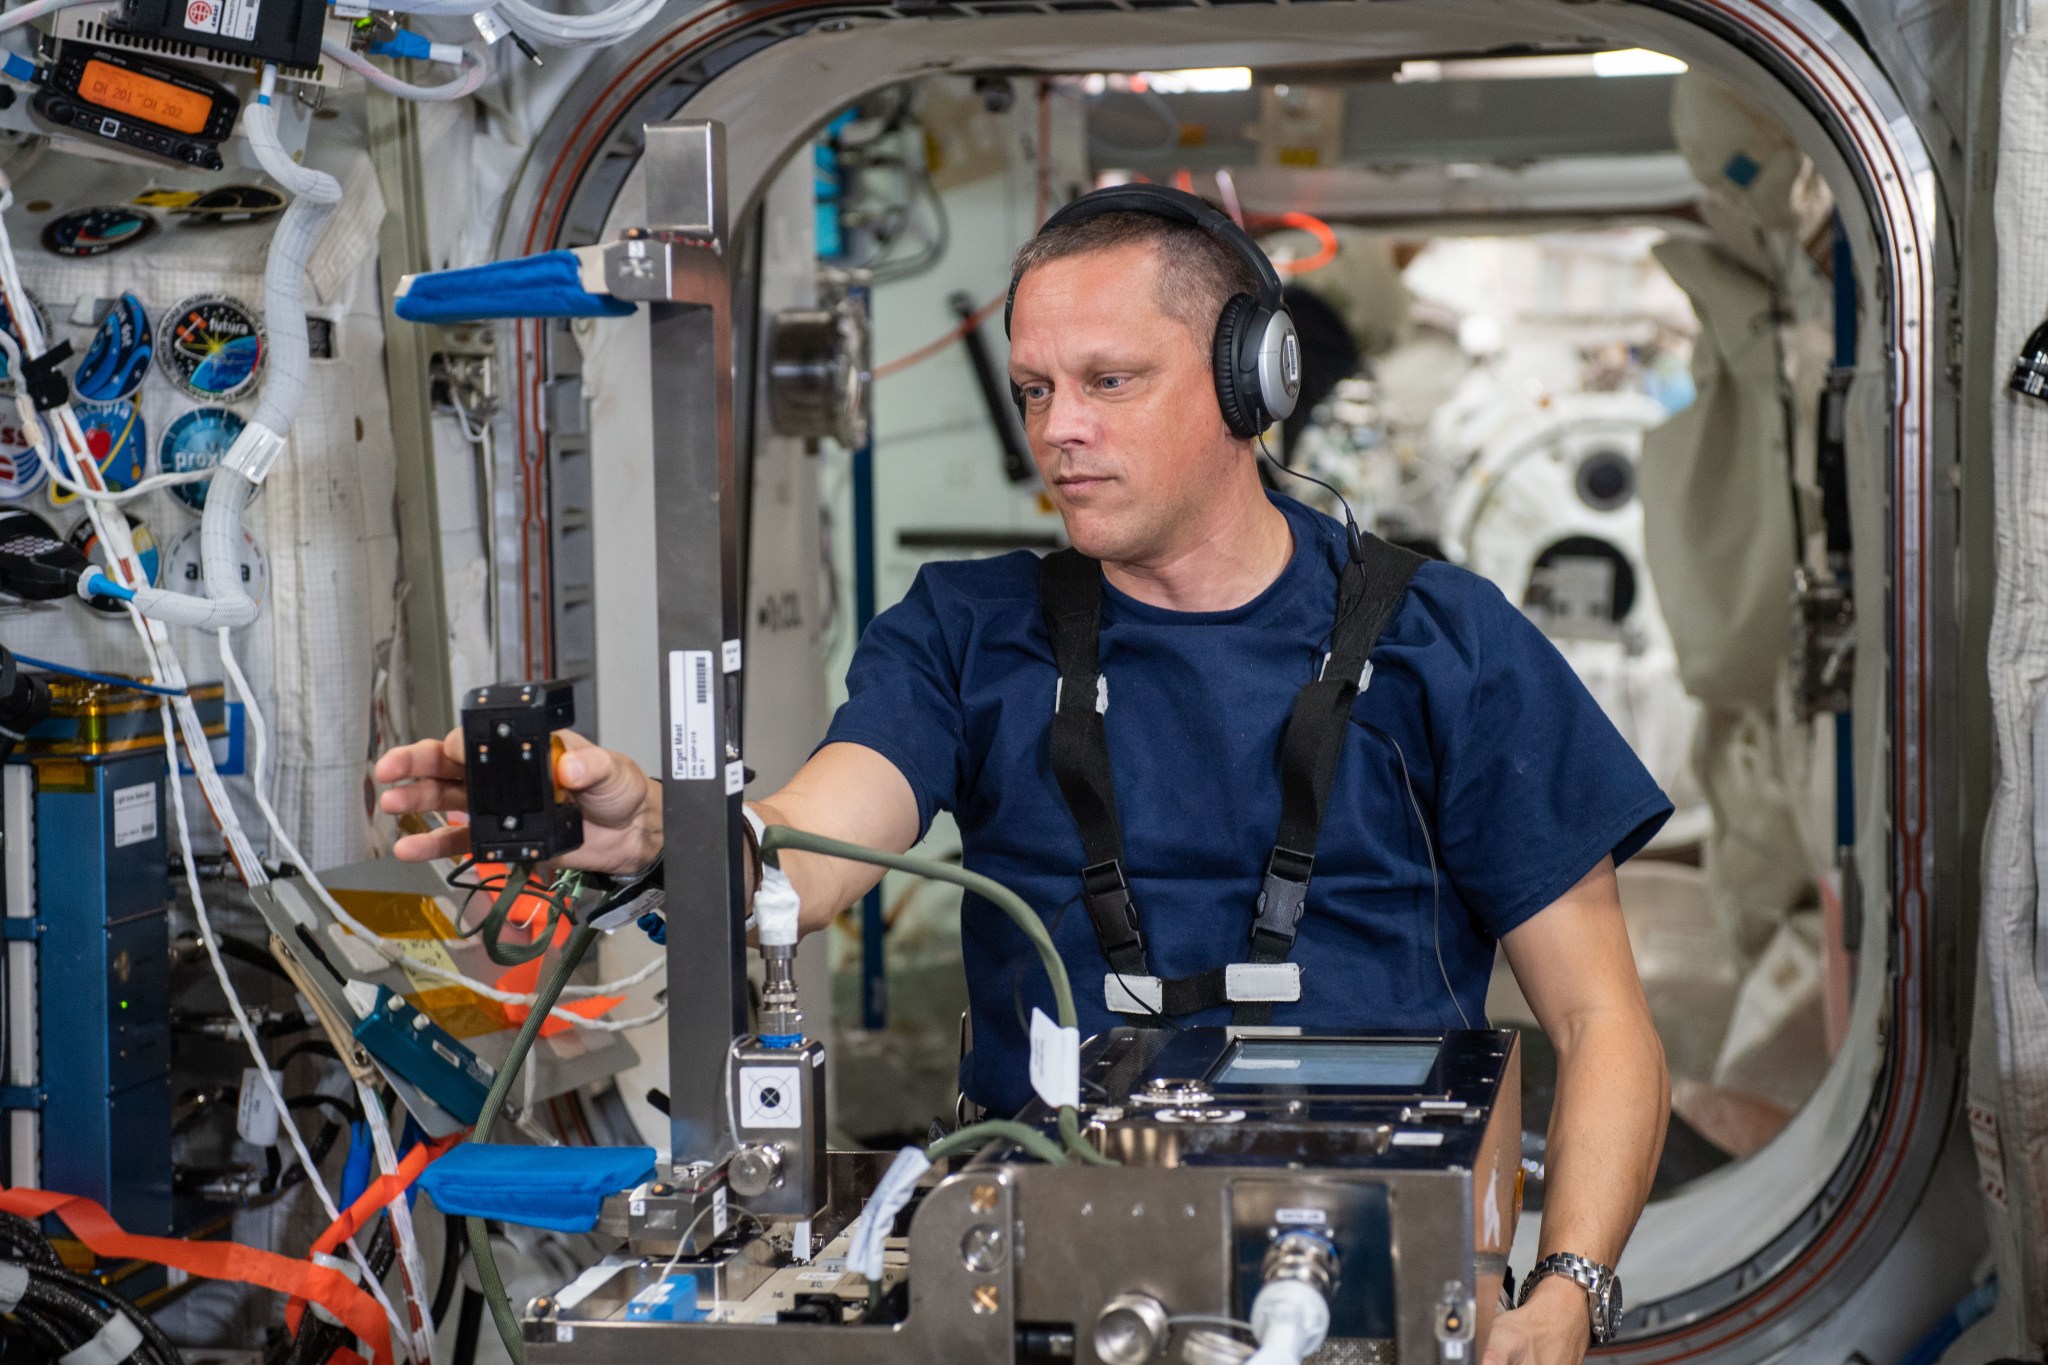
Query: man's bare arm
<point x="846" y="791"/>
<point x="1573" y="963"/>
<point x="850" y="792"/>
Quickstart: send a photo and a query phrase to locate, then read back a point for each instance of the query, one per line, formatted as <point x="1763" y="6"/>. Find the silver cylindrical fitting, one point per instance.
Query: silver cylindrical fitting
<point x="1305" y="1256"/>
<point x="780" y="1016"/>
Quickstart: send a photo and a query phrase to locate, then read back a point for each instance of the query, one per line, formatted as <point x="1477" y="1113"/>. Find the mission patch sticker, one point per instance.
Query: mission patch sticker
<point x="197" y="440"/>
<point x="119" y="443"/>
<point x="212" y="346"/>
<point x="21" y="473"/>
<point x="184" y="570"/>
<point x="95" y="232"/>
<point x="117" y="356"/>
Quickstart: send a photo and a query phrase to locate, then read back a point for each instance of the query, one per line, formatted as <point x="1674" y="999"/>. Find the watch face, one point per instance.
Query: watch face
<point x="1607" y="1308"/>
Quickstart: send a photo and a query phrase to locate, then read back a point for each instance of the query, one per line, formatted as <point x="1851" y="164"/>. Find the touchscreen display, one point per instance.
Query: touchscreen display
<point x="1329" y="1063"/>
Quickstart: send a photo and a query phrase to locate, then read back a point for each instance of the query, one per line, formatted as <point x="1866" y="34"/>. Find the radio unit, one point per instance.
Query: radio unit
<point x="99" y="92"/>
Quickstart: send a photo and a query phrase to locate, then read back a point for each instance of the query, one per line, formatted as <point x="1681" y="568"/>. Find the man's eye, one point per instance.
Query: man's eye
<point x="1035" y="393"/>
<point x="1112" y="381"/>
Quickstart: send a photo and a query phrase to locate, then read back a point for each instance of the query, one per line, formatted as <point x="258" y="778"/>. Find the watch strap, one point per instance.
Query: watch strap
<point x="1602" y="1286"/>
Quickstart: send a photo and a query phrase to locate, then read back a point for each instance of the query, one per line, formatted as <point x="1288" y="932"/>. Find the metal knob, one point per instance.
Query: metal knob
<point x="1130" y="1330"/>
<point x="754" y="1170"/>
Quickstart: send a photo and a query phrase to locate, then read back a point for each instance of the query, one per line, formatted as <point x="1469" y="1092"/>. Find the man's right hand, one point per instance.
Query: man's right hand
<point x="621" y="805"/>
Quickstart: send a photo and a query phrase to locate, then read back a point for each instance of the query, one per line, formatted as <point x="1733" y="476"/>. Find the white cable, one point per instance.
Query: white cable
<point x="412" y="1267"/>
<point x="119" y="547"/>
<point x="578" y="30"/>
<point x="248" y="1030"/>
<point x="29" y="13"/>
<point x="393" y="950"/>
<point x="462" y="87"/>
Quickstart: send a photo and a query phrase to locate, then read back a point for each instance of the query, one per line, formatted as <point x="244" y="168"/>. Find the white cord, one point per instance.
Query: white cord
<point x="119" y="547"/>
<point x="462" y="87"/>
<point x="248" y="1030"/>
<point x="579" y="30"/>
<point x="29" y="13"/>
<point x="412" y="1267"/>
<point x="393" y="950"/>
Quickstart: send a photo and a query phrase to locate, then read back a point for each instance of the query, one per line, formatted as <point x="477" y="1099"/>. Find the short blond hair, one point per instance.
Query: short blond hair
<point x="1197" y="273"/>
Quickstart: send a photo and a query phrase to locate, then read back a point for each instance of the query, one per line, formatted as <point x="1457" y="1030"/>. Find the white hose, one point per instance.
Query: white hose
<point x="579" y="30"/>
<point x="462" y="87"/>
<point x="36" y="9"/>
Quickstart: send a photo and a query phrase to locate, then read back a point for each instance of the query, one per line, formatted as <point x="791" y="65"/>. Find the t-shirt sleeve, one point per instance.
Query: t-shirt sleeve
<point x="903" y="699"/>
<point x="1536" y="785"/>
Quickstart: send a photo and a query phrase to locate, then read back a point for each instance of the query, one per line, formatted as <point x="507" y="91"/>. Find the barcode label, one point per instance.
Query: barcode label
<point x="692" y="720"/>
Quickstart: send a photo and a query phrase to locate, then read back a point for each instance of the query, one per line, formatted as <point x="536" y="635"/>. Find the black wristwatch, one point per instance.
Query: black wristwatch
<point x="1602" y="1286"/>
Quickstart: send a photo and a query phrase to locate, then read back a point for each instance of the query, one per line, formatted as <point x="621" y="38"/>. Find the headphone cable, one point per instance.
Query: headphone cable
<point x="1353" y="538"/>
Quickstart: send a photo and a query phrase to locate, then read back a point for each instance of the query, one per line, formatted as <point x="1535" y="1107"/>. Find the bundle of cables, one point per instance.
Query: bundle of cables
<point x="59" y="1315"/>
<point x="507" y="888"/>
<point x="319" y="1335"/>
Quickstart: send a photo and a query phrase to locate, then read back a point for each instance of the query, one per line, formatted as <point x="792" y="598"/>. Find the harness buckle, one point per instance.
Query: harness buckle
<point x="1283" y="896"/>
<point x="1108" y="897"/>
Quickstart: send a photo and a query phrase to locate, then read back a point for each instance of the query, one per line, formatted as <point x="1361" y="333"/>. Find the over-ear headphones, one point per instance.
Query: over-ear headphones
<point x="1256" y="354"/>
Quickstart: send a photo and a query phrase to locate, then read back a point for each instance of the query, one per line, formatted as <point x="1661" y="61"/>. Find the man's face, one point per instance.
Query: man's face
<point x="1119" y="405"/>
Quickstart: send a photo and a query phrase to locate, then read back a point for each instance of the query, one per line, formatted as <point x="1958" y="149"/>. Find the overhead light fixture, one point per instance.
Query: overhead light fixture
<point x="1199" y="80"/>
<point x="1636" y="61"/>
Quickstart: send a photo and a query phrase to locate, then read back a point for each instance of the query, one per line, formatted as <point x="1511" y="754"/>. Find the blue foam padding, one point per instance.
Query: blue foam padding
<point x="562" y="1188"/>
<point x="543" y="286"/>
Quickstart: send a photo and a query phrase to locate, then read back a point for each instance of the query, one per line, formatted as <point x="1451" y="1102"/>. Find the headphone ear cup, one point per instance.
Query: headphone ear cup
<point x="1243" y="413"/>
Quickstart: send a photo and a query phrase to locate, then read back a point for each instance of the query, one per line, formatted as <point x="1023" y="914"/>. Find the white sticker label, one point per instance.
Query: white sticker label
<point x="735" y="778"/>
<point x="1418" y="1138"/>
<point x="1298" y="1216"/>
<point x="818" y="1276"/>
<point x="693" y="718"/>
<point x="1055" y="1061"/>
<point x="718" y="1212"/>
<point x="772" y="1097"/>
<point x="238" y="18"/>
<point x="202" y="16"/>
<point x="731" y="656"/>
<point x="134" y="814"/>
<point x="256" y="1115"/>
<point x="487" y="23"/>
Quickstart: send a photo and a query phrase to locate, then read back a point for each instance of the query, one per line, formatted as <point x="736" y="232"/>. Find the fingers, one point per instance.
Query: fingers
<point x="610" y="787"/>
<point x="432" y="758"/>
<point x="449" y="841"/>
<point x="426" y="794"/>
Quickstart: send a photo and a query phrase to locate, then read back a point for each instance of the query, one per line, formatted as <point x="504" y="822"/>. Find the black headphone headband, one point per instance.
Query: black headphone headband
<point x="1255" y="353"/>
<point x="1176" y="206"/>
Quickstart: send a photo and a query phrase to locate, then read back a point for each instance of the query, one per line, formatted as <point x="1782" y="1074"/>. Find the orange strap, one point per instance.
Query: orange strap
<point x="375" y="1196"/>
<point x="331" y="1289"/>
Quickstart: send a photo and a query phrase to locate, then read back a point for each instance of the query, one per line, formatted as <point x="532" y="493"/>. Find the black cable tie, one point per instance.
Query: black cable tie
<point x="44" y="381"/>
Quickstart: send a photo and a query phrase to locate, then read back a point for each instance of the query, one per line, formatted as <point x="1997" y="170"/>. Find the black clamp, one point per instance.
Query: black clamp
<point x="1108" y="897"/>
<point x="44" y="381"/>
<point x="1283" y="898"/>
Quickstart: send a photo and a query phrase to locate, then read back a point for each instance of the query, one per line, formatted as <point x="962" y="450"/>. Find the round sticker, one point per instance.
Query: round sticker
<point x="212" y="346"/>
<point x="95" y="232"/>
<point x="232" y="204"/>
<point x="86" y="541"/>
<point x="118" y="355"/>
<point x="7" y="323"/>
<point x="184" y="572"/>
<point x="197" y="440"/>
<point x="119" y="443"/>
<point x="21" y="473"/>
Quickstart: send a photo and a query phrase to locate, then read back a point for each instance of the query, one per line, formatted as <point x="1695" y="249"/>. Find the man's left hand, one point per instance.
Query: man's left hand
<point x="1552" y="1328"/>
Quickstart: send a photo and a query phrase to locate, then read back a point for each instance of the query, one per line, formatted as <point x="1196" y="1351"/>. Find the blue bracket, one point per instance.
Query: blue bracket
<point x="21" y="1097"/>
<point x="20" y="929"/>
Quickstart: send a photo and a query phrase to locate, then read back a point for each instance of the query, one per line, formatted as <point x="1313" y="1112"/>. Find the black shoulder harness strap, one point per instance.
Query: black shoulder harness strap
<point x="1070" y="592"/>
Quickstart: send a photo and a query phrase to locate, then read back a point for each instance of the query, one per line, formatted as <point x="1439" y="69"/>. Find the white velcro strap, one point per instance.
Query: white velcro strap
<point x="254" y="452"/>
<point x="1262" y="982"/>
<point x="111" y="1345"/>
<point x="1123" y="993"/>
<point x="13" y="1284"/>
<point x="871" y="1229"/>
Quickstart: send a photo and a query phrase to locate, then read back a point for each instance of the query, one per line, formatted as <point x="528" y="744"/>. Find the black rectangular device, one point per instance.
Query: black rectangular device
<point x="169" y="112"/>
<point x="516" y="813"/>
<point x="282" y="31"/>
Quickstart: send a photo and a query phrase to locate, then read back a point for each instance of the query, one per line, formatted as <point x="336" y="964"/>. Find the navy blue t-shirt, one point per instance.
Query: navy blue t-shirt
<point x="1525" y="782"/>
